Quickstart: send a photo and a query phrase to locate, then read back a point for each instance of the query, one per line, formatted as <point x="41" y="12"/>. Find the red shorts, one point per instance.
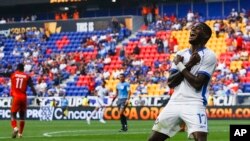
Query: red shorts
<point x="19" y="104"/>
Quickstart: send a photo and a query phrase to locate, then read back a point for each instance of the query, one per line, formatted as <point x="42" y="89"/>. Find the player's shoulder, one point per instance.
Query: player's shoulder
<point x="98" y="87"/>
<point x="210" y="53"/>
<point x="180" y="52"/>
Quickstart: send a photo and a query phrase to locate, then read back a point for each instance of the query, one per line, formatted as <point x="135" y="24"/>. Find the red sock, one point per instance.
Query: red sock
<point x="13" y="123"/>
<point x="21" y="126"/>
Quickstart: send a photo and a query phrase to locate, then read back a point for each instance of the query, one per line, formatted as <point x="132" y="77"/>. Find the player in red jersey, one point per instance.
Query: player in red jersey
<point x="19" y="83"/>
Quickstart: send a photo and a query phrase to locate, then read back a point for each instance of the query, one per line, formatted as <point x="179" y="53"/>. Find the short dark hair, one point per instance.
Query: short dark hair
<point x="122" y="74"/>
<point x="206" y="29"/>
<point x="20" y="67"/>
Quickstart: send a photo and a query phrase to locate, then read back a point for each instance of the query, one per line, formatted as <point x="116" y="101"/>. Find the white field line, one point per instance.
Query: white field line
<point x="92" y="132"/>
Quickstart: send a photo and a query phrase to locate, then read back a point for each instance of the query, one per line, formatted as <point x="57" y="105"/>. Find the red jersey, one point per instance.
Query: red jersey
<point x="19" y="83"/>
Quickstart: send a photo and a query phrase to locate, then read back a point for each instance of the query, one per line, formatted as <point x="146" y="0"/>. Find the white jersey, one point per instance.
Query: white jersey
<point x="184" y="93"/>
<point x="101" y="92"/>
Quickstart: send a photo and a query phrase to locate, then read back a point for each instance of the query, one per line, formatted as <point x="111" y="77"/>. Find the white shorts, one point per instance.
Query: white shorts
<point x="99" y="102"/>
<point x="170" y="118"/>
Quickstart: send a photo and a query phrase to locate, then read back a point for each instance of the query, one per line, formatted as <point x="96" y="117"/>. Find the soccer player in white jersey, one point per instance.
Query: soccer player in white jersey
<point x="190" y="77"/>
<point x="100" y="92"/>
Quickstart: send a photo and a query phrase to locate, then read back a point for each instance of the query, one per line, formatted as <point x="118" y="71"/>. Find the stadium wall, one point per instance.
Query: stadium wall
<point x="100" y="23"/>
<point x="208" y="9"/>
<point x="133" y="113"/>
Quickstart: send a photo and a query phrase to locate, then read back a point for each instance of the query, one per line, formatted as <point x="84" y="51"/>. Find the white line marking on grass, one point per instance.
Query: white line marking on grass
<point x="9" y="137"/>
<point x="88" y="132"/>
<point x="91" y="132"/>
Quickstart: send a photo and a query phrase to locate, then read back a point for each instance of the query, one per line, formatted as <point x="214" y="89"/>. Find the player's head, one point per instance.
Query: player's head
<point x="122" y="77"/>
<point x="20" y="67"/>
<point x="200" y="33"/>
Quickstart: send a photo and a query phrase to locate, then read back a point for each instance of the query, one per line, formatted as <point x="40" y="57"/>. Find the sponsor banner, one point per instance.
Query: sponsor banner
<point x="224" y="100"/>
<point x="112" y="113"/>
<point x="86" y="24"/>
<point x="81" y="113"/>
<point x="78" y="101"/>
<point x="228" y="112"/>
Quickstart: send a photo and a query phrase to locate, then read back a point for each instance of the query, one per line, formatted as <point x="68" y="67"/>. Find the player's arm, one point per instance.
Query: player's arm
<point x="115" y="96"/>
<point x="30" y="83"/>
<point x="7" y="74"/>
<point x="196" y="81"/>
<point x="129" y="94"/>
<point x="202" y="78"/>
<point x="176" y="77"/>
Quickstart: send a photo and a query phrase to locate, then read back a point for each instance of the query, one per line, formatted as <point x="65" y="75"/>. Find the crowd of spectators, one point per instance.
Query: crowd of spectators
<point x="49" y="69"/>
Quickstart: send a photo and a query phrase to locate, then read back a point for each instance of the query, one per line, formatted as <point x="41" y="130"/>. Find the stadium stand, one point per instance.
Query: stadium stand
<point x="76" y="59"/>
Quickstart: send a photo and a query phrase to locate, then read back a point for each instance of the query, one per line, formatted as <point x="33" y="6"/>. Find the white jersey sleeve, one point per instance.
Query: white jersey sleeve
<point x="209" y="64"/>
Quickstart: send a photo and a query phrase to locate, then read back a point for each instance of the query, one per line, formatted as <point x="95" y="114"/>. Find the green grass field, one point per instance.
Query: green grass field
<point x="80" y="131"/>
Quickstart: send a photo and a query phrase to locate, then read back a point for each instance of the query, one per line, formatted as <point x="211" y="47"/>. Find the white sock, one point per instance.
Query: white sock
<point x="92" y="114"/>
<point x="101" y="113"/>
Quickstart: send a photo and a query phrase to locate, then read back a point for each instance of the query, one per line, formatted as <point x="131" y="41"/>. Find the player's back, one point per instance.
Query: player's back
<point x="19" y="83"/>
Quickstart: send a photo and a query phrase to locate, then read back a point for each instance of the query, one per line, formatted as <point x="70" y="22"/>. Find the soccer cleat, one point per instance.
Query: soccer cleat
<point x="19" y="135"/>
<point x="102" y="121"/>
<point x="123" y="130"/>
<point x="88" y="120"/>
<point x="14" y="133"/>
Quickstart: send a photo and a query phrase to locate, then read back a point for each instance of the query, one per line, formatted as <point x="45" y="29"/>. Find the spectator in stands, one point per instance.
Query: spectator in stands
<point x="122" y="54"/>
<point x="57" y="16"/>
<point x="76" y="15"/>
<point x="160" y="45"/>
<point x="1" y="54"/>
<point x="156" y="77"/>
<point x="102" y="52"/>
<point x="115" y="25"/>
<point x="190" y="16"/>
<point x="230" y="31"/>
<point x="2" y="21"/>
<point x="27" y="19"/>
<point x="89" y="43"/>
<point x="107" y="60"/>
<point x="22" y="20"/>
<point x="59" y="91"/>
<point x="149" y="14"/>
<point x="236" y="56"/>
<point x="152" y="40"/>
<point x="28" y="66"/>
<point x="137" y="62"/>
<point x="217" y="28"/>
<point x="41" y="88"/>
<point x="244" y="55"/>
<point x="64" y="16"/>
<point x="106" y="74"/>
<point x="239" y="42"/>
<point x="57" y="79"/>
<point x="33" y="17"/>
<point x="54" y="69"/>
<point x="232" y="16"/>
<point x="51" y="91"/>
<point x="176" y="26"/>
<point x="229" y="44"/>
<point x="144" y="14"/>
<point x="155" y="12"/>
<point x="136" y="50"/>
<point x="223" y="26"/>
<point x="63" y="64"/>
<point x="173" y="44"/>
<point x="141" y="89"/>
<point x="246" y="36"/>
